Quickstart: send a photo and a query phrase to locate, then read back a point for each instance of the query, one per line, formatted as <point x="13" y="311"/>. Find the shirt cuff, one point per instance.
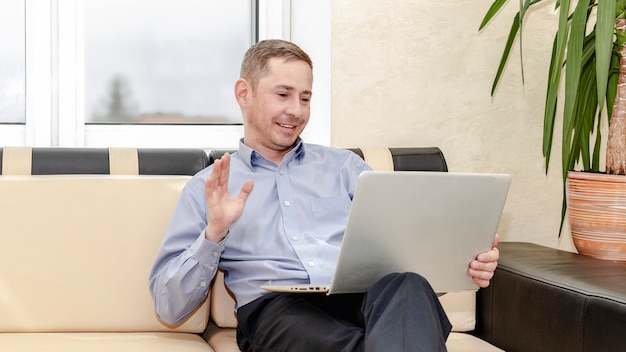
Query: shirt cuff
<point x="207" y="252"/>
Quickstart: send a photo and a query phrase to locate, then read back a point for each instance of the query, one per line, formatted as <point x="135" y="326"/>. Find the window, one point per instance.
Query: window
<point x="166" y="61"/>
<point x="152" y="84"/>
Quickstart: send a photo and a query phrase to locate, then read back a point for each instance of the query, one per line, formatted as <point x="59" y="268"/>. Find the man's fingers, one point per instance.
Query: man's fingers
<point x="224" y="169"/>
<point x="490" y="256"/>
<point x="219" y="175"/>
<point x="246" y="189"/>
<point x="212" y="180"/>
<point x="482" y="282"/>
<point x="480" y="277"/>
<point x="496" y="240"/>
<point x="483" y="266"/>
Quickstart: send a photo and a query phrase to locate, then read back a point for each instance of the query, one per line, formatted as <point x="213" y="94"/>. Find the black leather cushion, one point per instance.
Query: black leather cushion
<point x="544" y="299"/>
<point x="51" y="161"/>
<point x="418" y="159"/>
<point x="179" y="161"/>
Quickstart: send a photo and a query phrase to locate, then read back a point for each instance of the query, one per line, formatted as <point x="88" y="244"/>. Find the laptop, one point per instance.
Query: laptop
<point x="430" y="223"/>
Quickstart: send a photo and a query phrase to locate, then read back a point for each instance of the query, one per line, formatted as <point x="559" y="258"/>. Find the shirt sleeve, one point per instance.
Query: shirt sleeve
<point x="186" y="262"/>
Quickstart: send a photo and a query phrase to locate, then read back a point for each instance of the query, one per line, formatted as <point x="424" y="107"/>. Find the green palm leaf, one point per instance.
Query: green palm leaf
<point x="591" y="65"/>
<point x="605" y="22"/>
<point x="556" y="66"/>
<point x="572" y="80"/>
<point x="493" y="9"/>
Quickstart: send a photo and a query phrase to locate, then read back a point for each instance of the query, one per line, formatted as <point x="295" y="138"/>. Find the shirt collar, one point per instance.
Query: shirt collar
<point x="252" y="158"/>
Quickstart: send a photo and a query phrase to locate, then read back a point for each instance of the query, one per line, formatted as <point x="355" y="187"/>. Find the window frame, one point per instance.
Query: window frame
<point x="36" y="130"/>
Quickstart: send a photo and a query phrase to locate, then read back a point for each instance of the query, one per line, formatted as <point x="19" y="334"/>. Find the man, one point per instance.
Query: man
<point x="274" y="213"/>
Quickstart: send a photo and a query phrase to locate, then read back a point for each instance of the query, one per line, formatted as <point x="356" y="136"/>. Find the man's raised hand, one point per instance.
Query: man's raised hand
<point x="222" y="208"/>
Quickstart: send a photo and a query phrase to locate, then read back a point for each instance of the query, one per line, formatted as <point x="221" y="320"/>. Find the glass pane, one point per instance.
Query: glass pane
<point x="12" y="62"/>
<point x="164" y="61"/>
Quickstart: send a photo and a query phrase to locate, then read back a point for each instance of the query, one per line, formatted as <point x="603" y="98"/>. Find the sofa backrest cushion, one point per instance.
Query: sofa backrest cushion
<point x="79" y="247"/>
<point x="76" y="252"/>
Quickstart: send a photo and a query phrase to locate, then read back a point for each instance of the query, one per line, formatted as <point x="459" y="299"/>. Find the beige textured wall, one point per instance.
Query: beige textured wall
<point x="418" y="73"/>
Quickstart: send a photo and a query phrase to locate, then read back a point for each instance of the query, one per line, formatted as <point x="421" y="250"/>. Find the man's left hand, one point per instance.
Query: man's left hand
<point x="483" y="267"/>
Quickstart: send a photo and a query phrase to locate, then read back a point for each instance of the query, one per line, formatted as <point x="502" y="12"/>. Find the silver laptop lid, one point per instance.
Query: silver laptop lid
<point x="431" y="223"/>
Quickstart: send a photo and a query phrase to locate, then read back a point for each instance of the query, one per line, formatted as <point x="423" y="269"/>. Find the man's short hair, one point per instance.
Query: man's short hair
<point x="255" y="62"/>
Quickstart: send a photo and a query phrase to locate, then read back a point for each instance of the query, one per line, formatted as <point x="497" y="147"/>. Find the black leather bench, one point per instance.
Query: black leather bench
<point x="545" y="299"/>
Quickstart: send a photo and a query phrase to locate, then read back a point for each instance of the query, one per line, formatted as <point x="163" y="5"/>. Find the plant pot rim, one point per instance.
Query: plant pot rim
<point x="589" y="175"/>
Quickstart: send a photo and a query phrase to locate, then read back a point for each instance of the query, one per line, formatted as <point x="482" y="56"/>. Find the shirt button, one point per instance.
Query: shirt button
<point x="287" y="203"/>
<point x="202" y="284"/>
<point x="311" y="264"/>
<point x="281" y="172"/>
<point x="295" y="238"/>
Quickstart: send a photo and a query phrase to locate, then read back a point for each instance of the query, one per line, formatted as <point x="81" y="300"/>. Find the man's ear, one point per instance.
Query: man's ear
<point x="242" y="90"/>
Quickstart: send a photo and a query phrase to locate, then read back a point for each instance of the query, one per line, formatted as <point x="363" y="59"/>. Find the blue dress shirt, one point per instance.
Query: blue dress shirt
<point x="289" y="232"/>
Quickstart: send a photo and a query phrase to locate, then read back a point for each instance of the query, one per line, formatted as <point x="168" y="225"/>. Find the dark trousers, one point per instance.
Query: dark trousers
<point x="399" y="313"/>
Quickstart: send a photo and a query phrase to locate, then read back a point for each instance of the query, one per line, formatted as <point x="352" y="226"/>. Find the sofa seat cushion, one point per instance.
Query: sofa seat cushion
<point x="225" y="340"/>
<point x="103" y="342"/>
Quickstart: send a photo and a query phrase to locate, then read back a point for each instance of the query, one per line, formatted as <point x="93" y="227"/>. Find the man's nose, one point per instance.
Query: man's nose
<point x="295" y="107"/>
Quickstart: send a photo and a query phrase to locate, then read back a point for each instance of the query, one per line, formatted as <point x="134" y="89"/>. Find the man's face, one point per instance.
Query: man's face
<point x="278" y="110"/>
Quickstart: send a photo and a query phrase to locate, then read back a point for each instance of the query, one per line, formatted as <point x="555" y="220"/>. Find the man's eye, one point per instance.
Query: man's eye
<point x="284" y="95"/>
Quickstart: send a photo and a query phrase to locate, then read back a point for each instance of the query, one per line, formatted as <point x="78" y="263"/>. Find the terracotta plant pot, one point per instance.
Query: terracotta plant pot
<point x="596" y="204"/>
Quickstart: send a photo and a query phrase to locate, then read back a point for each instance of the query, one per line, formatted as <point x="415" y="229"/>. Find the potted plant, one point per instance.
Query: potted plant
<point x="589" y="48"/>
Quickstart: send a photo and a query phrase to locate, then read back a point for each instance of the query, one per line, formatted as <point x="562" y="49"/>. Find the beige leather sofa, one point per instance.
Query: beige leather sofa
<point x="76" y="250"/>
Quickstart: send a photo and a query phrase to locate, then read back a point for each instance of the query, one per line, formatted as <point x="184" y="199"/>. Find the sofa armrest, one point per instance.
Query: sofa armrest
<point x="545" y="299"/>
